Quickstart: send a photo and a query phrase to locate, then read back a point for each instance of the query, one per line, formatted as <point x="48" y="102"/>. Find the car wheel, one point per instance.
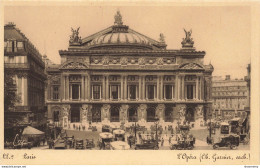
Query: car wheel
<point x="233" y="146"/>
<point x="215" y="146"/>
<point x="173" y="147"/>
<point x="156" y="148"/>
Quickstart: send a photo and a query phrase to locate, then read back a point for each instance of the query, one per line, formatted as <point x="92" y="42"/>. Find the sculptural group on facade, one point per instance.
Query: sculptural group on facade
<point x="187" y="41"/>
<point x="75" y="38"/>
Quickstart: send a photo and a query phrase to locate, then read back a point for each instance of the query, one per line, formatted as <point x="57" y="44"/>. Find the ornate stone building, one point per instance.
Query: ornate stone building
<point x="229" y="97"/>
<point x="24" y="60"/>
<point x="119" y="75"/>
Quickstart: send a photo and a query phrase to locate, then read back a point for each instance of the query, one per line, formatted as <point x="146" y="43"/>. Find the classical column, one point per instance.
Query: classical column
<point x="143" y="89"/>
<point x="107" y="87"/>
<point x="86" y="87"/>
<point x="62" y="91"/>
<point x="121" y="87"/>
<point x="197" y="88"/>
<point x="176" y="87"/>
<point x="89" y="87"/>
<point x="140" y="87"/>
<point x="103" y="95"/>
<point x="82" y="87"/>
<point x="159" y="111"/>
<point x="158" y="88"/>
<point x="202" y="88"/>
<point x="67" y="92"/>
<point x="125" y="88"/>
<point x="161" y="88"/>
<point x="183" y="84"/>
<point x="25" y="91"/>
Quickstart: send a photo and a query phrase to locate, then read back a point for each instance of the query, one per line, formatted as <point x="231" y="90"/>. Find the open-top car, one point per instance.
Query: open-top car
<point x="105" y="138"/>
<point x="147" y="144"/>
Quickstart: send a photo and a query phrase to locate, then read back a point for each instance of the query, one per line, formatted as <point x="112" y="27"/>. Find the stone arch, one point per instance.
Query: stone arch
<point x="132" y="114"/>
<point x="114" y="114"/>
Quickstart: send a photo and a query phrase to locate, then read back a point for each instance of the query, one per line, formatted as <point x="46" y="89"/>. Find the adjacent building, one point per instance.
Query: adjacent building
<point x="229" y="97"/>
<point x="120" y="75"/>
<point x="25" y="62"/>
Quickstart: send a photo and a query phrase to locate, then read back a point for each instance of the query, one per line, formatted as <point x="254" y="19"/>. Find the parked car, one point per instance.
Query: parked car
<point x="231" y="141"/>
<point x="147" y="144"/>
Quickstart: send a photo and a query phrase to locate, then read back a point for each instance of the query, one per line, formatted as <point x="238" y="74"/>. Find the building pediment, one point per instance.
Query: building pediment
<point x="191" y="66"/>
<point x="74" y="65"/>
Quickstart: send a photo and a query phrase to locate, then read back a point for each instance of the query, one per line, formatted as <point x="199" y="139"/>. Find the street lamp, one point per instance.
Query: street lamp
<point x="156" y="124"/>
<point x="135" y="118"/>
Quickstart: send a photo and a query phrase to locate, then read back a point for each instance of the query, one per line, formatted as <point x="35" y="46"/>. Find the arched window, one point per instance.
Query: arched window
<point x="96" y="114"/>
<point x="114" y="114"/>
<point x="56" y="116"/>
<point x="75" y="113"/>
<point x="132" y="114"/>
<point x="190" y="115"/>
<point x="150" y="114"/>
<point x="168" y="114"/>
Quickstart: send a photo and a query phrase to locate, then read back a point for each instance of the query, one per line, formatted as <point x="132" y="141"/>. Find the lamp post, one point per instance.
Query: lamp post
<point x="156" y="124"/>
<point x="135" y="118"/>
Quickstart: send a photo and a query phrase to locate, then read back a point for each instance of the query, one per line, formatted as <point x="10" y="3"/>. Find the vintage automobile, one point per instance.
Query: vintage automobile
<point x="79" y="144"/>
<point x="90" y="143"/>
<point x="183" y="140"/>
<point x="119" y="135"/>
<point x="147" y="144"/>
<point x="105" y="138"/>
<point x="231" y="141"/>
<point x="106" y="128"/>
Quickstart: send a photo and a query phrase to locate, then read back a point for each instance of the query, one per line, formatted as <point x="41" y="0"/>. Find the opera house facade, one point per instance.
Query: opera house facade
<point x="119" y="75"/>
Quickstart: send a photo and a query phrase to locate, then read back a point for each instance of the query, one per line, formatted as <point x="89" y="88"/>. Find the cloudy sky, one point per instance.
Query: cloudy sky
<point x="222" y="31"/>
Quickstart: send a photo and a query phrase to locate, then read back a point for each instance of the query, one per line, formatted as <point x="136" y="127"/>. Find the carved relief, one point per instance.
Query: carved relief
<point x="65" y="110"/>
<point x="142" y="110"/>
<point x="160" y="109"/>
<point x="199" y="111"/>
<point x="123" y="111"/>
<point x="105" y="61"/>
<point x="182" y="110"/>
<point x="124" y="61"/>
<point x="75" y="65"/>
<point x="159" y="61"/>
<point x="105" y="110"/>
<point x="189" y="66"/>
<point x="141" y="61"/>
<point x="55" y="79"/>
<point x="84" y="112"/>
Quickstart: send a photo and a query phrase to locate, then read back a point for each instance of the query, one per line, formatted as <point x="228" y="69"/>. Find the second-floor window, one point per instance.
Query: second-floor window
<point x="150" y="91"/>
<point x="96" y="92"/>
<point x="75" y="91"/>
<point x="132" y="92"/>
<point x="114" y="92"/>
<point x="55" y="95"/>
<point x="168" y="92"/>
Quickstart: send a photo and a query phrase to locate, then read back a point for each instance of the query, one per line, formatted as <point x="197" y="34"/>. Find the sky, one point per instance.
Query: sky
<point x="223" y="32"/>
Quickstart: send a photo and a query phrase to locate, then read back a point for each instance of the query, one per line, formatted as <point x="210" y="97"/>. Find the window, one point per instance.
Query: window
<point x="75" y="113"/>
<point x="150" y="92"/>
<point x="75" y="91"/>
<point x="13" y="46"/>
<point x="168" y="92"/>
<point x="20" y="45"/>
<point x="55" y="95"/>
<point x="189" y="91"/>
<point x="96" y="114"/>
<point x="114" y="92"/>
<point x="132" y="92"/>
<point x="132" y="114"/>
<point x="151" y="114"/>
<point x="114" y="115"/>
<point x="96" y="92"/>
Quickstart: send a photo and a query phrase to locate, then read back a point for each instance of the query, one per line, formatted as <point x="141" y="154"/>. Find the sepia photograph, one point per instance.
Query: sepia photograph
<point x="127" y="77"/>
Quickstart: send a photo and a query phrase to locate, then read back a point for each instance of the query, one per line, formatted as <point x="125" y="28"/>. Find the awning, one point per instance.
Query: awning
<point x="32" y="131"/>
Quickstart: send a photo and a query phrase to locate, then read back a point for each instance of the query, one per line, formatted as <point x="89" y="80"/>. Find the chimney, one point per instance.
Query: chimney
<point x="227" y="77"/>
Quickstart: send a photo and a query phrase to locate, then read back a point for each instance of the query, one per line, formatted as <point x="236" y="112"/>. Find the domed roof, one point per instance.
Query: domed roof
<point x="120" y="36"/>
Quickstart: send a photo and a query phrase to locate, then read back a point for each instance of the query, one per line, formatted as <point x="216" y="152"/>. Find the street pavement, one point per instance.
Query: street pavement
<point x="199" y="134"/>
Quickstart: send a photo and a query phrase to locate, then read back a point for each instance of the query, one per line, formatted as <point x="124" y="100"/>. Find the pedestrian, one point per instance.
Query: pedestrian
<point x="170" y="139"/>
<point x="79" y="128"/>
<point x="162" y="141"/>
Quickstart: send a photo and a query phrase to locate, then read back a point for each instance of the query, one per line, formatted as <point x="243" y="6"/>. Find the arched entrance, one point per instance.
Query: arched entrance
<point x="96" y="113"/>
<point x="150" y="114"/>
<point x="190" y="115"/>
<point x="56" y="114"/>
<point x="75" y="113"/>
<point x="132" y="114"/>
<point x="168" y="114"/>
<point x="114" y="114"/>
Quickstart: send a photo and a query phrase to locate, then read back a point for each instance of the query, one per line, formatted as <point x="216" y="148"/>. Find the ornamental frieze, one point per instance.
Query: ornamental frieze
<point x="124" y="61"/>
<point x="141" y="61"/>
<point x="55" y="79"/>
<point x="105" y="60"/>
<point x="191" y="66"/>
<point x="75" y="65"/>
